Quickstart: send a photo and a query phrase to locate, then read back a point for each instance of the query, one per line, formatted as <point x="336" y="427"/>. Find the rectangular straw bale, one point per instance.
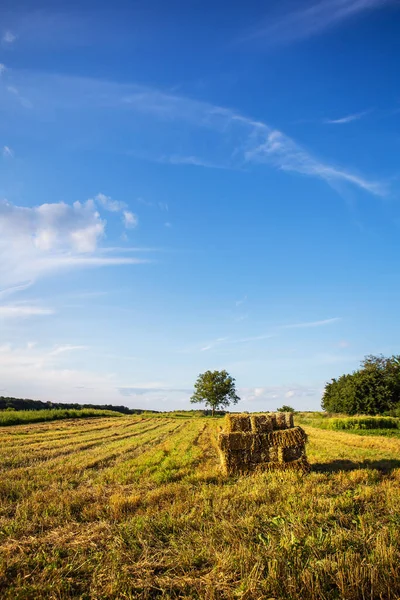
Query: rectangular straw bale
<point x="235" y="441"/>
<point x="261" y="423"/>
<point x="292" y="453"/>
<point x="296" y="436"/>
<point x="281" y="420"/>
<point x="236" y="462"/>
<point x="289" y="419"/>
<point x="272" y="416"/>
<point x="235" y="423"/>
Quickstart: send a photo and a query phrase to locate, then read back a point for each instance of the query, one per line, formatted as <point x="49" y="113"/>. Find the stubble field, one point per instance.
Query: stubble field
<point x="136" y="507"/>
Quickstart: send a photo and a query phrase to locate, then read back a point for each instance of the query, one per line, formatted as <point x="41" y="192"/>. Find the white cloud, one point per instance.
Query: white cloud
<point x="17" y="311"/>
<point x="194" y="161"/>
<point x="31" y="371"/>
<point x="25" y="102"/>
<point x="7" y="152"/>
<point x="109" y="204"/>
<point x="8" y="37"/>
<point x="15" y="288"/>
<point x="312" y="323"/>
<point x="66" y="348"/>
<point x="77" y="227"/>
<point x="130" y="220"/>
<point x="312" y="19"/>
<point x="41" y="240"/>
<point x="273" y="396"/>
<point x="2" y="69"/>
<point x="348" y="118"/>
<point x="282" y="151"/>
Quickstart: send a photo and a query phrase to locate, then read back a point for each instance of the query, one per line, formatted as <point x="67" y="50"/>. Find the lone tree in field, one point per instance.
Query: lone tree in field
<point x="216" y="389"/>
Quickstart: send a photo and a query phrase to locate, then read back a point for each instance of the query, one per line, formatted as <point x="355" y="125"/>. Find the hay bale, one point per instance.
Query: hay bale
<point x="296" y="436"/>
<point x="291" y="453"/>
<point x="301" y="465"/>
<point x="235" y="441"/>
<point x="261" y="423"/>
<point x="236" y="462"/>
<point x="235" y="423"/>
<point x="289" y="419"/>
<point x="261" y="443"/>
<point x="281" y="420"/>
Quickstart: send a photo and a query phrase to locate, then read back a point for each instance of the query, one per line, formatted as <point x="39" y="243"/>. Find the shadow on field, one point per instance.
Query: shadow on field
<point x="384" y="465"/>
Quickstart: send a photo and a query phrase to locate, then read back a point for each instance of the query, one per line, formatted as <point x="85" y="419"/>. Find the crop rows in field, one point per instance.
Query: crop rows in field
<point x="136" y="507"/>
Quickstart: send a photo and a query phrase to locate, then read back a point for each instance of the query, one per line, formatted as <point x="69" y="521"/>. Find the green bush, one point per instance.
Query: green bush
<point x="374" y="389"/>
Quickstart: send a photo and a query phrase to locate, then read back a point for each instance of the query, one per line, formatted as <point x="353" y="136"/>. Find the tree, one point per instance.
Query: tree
<point x="373" y="389"/>
<point x="216" y="389"/>
<point x="286" y="408"/>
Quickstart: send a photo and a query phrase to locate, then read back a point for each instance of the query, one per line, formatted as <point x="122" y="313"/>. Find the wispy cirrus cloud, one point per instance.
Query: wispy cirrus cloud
<point x="66" y="348"/>
<point x="241" y="301"/>
<point x="307" y="324"/>
<point x="348" y="118"/>
<point x="231" y="341"/>
<point x="8" y="37"/>
<point x="21" y="99"/>
<point x="276" y="331"/>
<point x="7" y="152"/>
<point x="194" y="161"/>
<point x="289" y="156"/>
<point x="141" y="391"/>
<point x="8" y="291"/>
<point x="312" y="18"/>
<point x="206" y="135"/>
<point x="21" y="311"/>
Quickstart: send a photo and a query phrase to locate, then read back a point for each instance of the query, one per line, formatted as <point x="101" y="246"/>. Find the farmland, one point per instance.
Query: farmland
<point x="136" y="507"/>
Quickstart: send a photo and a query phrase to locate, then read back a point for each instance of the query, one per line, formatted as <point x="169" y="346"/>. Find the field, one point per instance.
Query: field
<point x="18" y="417"/>
<point x="135" y="507"/>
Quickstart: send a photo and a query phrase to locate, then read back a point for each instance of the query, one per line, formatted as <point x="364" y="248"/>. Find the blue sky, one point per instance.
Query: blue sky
<point x="196" y="185"/>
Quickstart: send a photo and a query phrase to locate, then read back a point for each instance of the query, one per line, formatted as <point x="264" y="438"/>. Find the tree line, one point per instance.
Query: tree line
<point x="27" y="404"/>
<point x="373" y="389"/>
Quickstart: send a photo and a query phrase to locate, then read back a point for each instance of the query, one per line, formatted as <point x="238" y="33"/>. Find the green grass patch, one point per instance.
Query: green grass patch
<point x="21" y="417"/>
<point x="354" y="423"/>
<point x="371" y="425"/>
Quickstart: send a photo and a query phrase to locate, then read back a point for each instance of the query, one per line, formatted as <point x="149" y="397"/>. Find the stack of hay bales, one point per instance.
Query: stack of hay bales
<point x="261" y="443"/>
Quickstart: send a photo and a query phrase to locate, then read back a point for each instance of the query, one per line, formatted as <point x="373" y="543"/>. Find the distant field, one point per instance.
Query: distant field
<point x="135" y="507"/>
<point x="18" y="417"/>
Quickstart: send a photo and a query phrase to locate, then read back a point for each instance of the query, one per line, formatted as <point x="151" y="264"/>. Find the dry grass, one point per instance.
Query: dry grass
<point x="136" y="508"/>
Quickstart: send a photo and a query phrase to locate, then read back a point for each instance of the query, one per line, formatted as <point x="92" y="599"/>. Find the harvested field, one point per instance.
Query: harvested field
<point x="137" y="507"/>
